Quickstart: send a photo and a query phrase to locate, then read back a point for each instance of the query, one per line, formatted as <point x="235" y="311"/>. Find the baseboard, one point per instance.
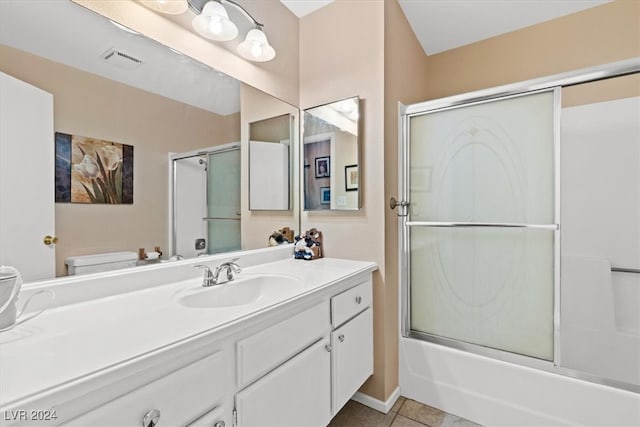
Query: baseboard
<point x="376" y="404"/>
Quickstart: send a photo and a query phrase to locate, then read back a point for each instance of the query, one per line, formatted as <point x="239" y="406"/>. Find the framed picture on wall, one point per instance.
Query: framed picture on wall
<point x="325" y="195"/>
<point x="322" y="167"/>
<point x="351" y="178"/>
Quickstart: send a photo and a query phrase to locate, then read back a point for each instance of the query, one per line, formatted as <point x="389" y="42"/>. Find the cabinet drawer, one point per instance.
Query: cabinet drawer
<point x="270" y="347"/>
<point x="350" y="302"/>
<point x="181" y="397"/>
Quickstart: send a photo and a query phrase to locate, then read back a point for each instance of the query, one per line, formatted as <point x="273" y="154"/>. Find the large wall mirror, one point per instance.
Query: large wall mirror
<point x="115" y="85"/>
<point x="331" y="156"/>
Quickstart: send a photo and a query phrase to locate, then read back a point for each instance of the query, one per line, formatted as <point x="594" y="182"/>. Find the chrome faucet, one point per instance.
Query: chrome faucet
<point x="232" y="269"/>
<point x="208" y="279"/>
<point x="213" y="278"/>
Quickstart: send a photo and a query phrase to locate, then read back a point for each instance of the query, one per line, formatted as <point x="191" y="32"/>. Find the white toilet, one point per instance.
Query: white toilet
<point x="97" y="263"/>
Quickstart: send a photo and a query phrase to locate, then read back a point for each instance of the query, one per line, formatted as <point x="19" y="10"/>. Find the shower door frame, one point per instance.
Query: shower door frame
<point x="405" y="112"/>
<point x="217" y="149"/>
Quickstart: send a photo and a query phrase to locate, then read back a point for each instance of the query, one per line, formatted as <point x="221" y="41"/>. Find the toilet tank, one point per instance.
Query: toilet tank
<point x="97" y="263"/>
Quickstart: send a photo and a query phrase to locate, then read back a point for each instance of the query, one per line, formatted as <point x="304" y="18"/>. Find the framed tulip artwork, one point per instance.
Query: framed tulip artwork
<point x="89" y="170"/>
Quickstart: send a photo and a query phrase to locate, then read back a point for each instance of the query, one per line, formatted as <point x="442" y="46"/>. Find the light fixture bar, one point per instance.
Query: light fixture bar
<point x="196" y="7"/>
<point x="244" y="12"/>
<point x="212" y="22"/>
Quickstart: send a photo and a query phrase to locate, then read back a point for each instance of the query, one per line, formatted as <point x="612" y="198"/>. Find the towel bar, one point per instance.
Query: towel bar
<point x="625" y="270"/>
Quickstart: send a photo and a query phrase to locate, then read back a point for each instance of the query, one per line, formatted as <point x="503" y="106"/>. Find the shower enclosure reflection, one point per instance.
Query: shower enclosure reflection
<point x="206" y="201"/>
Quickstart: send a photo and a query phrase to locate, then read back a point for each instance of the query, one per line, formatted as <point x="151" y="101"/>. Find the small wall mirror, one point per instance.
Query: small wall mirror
<point x="269" y="163"/>
<point x="331" y="156"/>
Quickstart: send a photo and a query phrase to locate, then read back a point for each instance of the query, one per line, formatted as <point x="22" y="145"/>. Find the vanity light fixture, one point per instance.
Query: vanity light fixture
<point x="212" y="22"/>
<point x="255" y="47"/>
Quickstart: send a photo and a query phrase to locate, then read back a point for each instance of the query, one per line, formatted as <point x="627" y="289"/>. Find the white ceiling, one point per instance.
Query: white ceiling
<point x="304" y="7"/>
<point x="442" y="25"/>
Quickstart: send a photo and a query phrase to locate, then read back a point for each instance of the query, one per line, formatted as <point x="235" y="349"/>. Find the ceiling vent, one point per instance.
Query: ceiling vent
<point x="121" y="60"/>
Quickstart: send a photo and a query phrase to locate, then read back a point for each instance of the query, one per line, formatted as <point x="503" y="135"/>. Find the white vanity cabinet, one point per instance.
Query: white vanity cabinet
<point x="293" y="363"/>
<point x="351" y="342"/>
<point x="310" y="387"/>
<point x="176" y="399"/>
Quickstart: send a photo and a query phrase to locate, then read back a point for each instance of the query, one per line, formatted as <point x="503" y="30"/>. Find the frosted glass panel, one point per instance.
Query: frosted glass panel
<point x="490" y="162"/>
<point x="223" y="200"/>
<point x="486" y="286"/>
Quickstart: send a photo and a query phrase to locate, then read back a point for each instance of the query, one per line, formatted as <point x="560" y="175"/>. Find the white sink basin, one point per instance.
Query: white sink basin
<point x="243" y="290"/>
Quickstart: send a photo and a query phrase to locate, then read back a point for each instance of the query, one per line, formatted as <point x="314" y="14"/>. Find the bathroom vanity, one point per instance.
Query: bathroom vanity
<point x="286" y="343"/>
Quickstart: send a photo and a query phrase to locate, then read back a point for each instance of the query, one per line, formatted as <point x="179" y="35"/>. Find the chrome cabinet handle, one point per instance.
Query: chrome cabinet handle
<point x="151" y="418"/>
<point x="358" y="299"/>
<point x="341" y="337"/>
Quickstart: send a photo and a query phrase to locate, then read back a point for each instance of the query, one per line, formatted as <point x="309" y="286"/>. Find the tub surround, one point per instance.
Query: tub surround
<point x="106" y="333"/>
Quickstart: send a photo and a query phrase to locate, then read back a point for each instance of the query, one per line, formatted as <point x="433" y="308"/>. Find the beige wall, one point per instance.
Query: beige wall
<point x="601" y="91"/>
<point x="273" y="129"/>
<point x="341" y="55"/>
<point x="405" y="81"/>
<point x="278" y="77"/>
<point x="594" y="36"/>
<point x="257" y="225"/>
<point x="346" y="153"/>
<point x="88" y="105"/>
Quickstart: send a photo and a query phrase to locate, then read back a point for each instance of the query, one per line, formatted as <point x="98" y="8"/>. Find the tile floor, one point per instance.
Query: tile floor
<point x="405" y="413"/>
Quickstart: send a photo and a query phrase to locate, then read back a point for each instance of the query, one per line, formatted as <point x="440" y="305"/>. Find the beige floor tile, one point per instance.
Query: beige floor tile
<point x="354" y="414"/>
<point x="401" y="421"/>
<point x="422" y="413"/>
<point x="396" y="406"/>
<point x="453" y="421"/>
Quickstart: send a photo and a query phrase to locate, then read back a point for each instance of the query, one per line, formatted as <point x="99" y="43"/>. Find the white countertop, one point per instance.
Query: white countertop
<point x="69" y="342"/>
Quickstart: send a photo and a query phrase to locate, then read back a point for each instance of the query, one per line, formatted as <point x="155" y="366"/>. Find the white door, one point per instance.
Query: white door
<point x="297" y="394"/>
<point x="352" y="354"/>
<point x="26" y="178"/>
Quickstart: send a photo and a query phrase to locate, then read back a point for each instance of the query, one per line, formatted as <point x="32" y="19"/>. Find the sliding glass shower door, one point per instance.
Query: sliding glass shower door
<point x="481" y="229"/>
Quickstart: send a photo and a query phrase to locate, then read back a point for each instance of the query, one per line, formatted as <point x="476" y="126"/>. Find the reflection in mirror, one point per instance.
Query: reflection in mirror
<point x="269" y="168"/>
<point x="141" y="94"/>
<point x="206" y="201"/>
<point x="331" y="156"/>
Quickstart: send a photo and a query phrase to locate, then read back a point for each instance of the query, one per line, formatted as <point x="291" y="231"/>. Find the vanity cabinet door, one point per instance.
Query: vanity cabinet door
<point x="297" y="394"/>
<point x="352" y="356"/>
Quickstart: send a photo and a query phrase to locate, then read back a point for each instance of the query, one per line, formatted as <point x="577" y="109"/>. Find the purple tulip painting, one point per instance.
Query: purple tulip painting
<point x="96" y="171"/>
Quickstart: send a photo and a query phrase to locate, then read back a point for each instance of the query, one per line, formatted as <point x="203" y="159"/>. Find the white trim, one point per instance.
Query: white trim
<point x="376" y="404"/>
<point x="497" y="393"/>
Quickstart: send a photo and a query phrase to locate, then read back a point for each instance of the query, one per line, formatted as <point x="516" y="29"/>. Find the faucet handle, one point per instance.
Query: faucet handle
<point x="207" y="270"/>
<point x="208" y="279"/>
